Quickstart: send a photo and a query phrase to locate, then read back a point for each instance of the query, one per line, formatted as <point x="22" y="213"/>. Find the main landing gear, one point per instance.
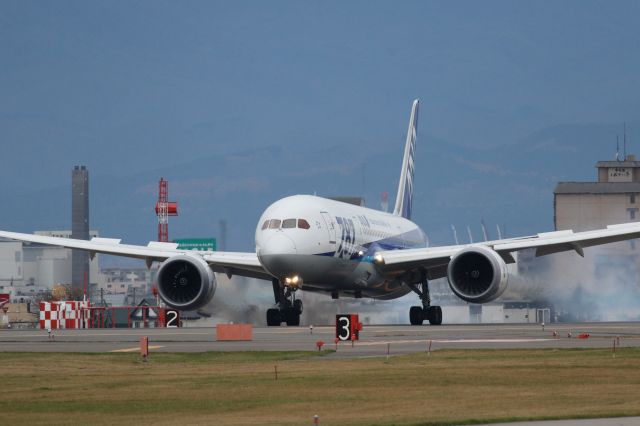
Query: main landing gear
<point x="289" y="308"/>
<point x="417" y="314"/>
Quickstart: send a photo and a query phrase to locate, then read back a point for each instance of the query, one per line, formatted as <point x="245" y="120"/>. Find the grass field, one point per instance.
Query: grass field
<point x="448" y="387"/>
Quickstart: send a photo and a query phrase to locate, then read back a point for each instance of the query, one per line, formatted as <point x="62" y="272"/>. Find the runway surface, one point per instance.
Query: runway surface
<point x="374" y="340"/>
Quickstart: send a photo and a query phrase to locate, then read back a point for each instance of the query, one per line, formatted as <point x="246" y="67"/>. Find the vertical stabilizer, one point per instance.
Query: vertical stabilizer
<point x="404" y="199"/>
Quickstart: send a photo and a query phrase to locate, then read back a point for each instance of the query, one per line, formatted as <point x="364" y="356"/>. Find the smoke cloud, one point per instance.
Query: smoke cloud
<point x="602" y="286"/>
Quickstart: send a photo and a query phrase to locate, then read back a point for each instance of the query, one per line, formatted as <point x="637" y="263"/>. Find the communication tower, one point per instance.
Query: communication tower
<point x="164" y="209"/>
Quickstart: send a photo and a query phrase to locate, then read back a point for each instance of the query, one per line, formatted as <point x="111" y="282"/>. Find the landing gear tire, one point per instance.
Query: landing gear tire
<point x="273" y="317"/>
<point x="416" y="315"/>
<point x="434" y="315"/>
<point x="289" y="308"/>
<point x="297" y="306"/>
<point x="292" y="316"/>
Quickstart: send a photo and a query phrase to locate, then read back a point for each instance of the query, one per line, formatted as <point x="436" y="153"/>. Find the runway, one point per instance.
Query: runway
<point x="375" y="340"/>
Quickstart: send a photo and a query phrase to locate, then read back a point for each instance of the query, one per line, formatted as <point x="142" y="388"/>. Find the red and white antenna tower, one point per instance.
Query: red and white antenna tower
<point x="164" y="209"/>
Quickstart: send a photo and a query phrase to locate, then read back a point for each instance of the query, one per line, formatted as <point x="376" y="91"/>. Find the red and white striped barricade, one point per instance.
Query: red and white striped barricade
<point x="63" y="314"/>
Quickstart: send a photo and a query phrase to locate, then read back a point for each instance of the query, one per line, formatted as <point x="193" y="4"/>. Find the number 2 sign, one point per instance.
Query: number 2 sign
<point x="172" y="318"/>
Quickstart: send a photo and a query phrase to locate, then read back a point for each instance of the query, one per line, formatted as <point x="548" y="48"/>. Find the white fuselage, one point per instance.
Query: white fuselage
<point x="329" y="245"/>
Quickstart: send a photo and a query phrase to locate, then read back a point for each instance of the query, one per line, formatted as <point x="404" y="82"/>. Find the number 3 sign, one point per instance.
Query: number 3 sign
<point x="347" y="327"/>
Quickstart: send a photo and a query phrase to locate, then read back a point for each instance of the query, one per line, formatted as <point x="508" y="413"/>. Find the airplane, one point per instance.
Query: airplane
<point x="316" y="244"/>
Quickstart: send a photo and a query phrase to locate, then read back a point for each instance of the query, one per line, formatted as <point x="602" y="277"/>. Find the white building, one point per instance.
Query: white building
<point x="26" y="268"/>
<point x="122" y="280"/>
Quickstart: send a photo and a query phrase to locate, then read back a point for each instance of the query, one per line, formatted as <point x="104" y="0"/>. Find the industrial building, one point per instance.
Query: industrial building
<point x="132" y="283"/>
<point x="28" y="268"/>
<point x="79" y="226"/>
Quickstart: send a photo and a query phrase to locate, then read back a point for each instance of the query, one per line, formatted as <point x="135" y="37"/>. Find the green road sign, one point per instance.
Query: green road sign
<point x="202" y="244"/>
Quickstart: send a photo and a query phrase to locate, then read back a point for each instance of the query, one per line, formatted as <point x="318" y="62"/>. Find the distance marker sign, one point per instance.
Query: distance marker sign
<point x="347" y="327"/>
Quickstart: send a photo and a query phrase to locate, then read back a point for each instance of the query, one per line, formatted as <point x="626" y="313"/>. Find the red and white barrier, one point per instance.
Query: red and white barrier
<point x="63" y="314"/>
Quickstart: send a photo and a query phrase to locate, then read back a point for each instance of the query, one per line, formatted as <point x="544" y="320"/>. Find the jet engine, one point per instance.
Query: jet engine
<point x="477" y="274"/>
<point x="186" y="282"/>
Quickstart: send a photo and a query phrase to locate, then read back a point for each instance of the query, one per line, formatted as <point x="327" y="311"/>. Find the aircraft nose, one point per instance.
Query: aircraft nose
<point x="275" y="254"/>
<point x="278" y="244"/>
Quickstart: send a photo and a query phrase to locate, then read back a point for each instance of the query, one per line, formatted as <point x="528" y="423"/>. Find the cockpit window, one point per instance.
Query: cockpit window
<point x="274" y="224"/>
<point x="288" y="223"/>
<point x="265" y="225"/>
<point x="303" y="224"/>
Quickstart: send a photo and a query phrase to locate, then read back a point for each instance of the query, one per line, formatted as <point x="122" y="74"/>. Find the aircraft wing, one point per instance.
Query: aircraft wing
<point x="230" y="263"/>
<point x="436" y="259"/>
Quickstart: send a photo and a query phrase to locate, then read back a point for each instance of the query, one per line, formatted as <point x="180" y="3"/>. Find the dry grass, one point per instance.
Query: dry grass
<point x="239" y="388"/>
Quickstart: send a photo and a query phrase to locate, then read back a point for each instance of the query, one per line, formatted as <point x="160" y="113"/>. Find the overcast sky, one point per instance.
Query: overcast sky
<point x="125" y="86"/>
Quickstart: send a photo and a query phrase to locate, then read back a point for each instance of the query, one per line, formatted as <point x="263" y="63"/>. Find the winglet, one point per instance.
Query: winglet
<point x="404" y="199"/>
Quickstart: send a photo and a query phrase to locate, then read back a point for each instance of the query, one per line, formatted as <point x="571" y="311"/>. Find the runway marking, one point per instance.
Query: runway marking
<point x="495" y="341"/>
<point x="137" y="348"/>
<point x="300" y="330"/>
<point x="457" y="341"/>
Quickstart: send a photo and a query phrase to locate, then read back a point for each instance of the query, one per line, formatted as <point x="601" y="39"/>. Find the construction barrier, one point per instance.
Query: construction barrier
<point x="234" y="332"/>
<point x="63" y="314"/>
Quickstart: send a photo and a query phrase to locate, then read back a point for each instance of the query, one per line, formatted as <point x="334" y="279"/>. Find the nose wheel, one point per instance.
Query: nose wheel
<point x="289" y="308"/>
<point x="418" y="314"/>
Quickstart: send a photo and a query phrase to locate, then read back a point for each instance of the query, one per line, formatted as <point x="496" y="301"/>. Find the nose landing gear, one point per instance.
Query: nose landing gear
<point x="417" y="314"/>
<point x="289" y="308"/>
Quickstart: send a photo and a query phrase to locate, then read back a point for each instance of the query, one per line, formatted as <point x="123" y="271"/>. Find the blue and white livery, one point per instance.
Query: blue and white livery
<point x="404" y="197"/>
<point x="320" y="245"/>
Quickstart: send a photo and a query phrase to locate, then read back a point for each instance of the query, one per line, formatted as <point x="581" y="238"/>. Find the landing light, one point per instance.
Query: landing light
<point x="378" y="258"/>
<point x="293" y="281"/>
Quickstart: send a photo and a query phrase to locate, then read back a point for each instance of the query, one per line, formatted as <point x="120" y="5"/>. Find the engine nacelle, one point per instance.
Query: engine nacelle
<point x="477" y="274"/>
<point x="186" y="282"/>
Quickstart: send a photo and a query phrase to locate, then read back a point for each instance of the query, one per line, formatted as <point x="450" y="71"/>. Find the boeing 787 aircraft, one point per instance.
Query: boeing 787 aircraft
<point x="315" y="244"/>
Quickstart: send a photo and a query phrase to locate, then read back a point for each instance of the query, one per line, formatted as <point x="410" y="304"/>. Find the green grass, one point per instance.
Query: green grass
<point x="448" y="387"/>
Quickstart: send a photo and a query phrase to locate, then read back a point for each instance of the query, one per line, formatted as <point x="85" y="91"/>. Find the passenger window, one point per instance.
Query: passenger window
<point x="265" y="225"/>
<point x="274" y="224"/>
<point x="303" y="224"/>
<point x="288" y="223"/>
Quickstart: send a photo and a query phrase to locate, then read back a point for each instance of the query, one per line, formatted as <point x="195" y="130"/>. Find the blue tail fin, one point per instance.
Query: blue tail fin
<point x="404" y="199"/>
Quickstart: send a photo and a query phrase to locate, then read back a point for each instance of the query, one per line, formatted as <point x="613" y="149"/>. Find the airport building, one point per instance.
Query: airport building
<point x="603" y="285"/>
<point x="613" y="198"/>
